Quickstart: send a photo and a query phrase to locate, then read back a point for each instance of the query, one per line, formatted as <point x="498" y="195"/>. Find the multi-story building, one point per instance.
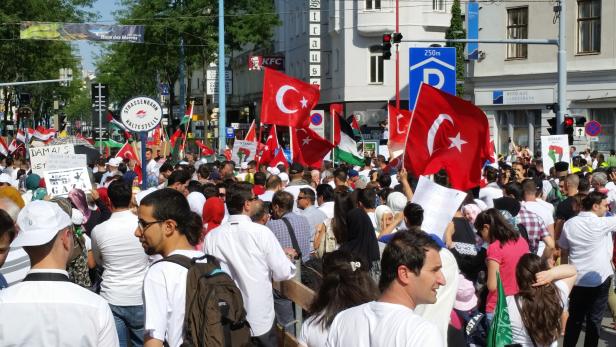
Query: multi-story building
<point x="516" y="84"/>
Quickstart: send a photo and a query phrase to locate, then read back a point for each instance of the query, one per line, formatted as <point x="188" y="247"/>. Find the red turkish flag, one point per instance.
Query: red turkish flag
<point x="251" y="134"/>
<point x="279" y="159"/>
<point x="447" y="133"/>
<point x="128" y="152"/>
<point x="398" y="127"/>
<point x="309" y="148"/>
<point x="287" y="101"/>
<point x="205" y="150"/>
<point x="271" y="145"/>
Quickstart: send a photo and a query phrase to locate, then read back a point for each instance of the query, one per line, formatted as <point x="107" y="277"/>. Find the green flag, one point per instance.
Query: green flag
<point x="499" y="334"/>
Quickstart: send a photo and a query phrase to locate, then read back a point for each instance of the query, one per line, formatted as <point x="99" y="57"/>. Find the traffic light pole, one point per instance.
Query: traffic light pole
<point x="398" y="56"/>
<point x="562" y="69"/>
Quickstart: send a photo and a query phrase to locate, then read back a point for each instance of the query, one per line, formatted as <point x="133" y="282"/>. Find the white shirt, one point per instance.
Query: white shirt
<point x="490" y="192"/>
<point x="267" y="196"/>
<point x="372" y="216"/>
<point x="54" y="313"/>
<point x="541" y="210"/>
<point x="589" y="241"/>
<point x="518" y="331"/>
<point x="120" y="253"/>
<point x="312" y="333"/>
<point x="252" y="255"/>
<point x="327" y="208"/>
<point x="381" y="324"/>
<point x="164" y="294"/>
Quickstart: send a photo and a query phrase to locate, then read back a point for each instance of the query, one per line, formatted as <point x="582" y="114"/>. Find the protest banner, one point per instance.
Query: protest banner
<point x="61" y="182"/>
<point x="38" y="155"/>
<point x="554" y="148"/>
<point x="439" y="204"/>
<point x="65" y="161"/>
<point x="243" y="151"/>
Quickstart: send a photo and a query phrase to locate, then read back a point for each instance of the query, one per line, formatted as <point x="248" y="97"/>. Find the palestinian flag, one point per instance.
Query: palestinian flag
<point x="188" y="114"/>
<point x="355" y="126"/>
<point x="346" y="147"/>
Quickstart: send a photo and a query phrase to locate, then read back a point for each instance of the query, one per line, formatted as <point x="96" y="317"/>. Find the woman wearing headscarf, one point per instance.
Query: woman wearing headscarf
<point x="361" y="240"/>
<point x="93" y="215"/>
<point x="32" y="183"/>
<point x="213" y="213"/>
<point x="384" y="218"/>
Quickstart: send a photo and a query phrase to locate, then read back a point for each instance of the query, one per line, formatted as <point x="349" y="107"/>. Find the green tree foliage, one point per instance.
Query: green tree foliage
<point x="26" y="60"/>
<point x="456" y="31"/>
<point x="133" y="69"/>
<point x="79" y="106"/>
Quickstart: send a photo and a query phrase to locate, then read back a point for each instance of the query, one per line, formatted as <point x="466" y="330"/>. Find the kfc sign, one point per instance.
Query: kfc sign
<point x="258" y="62"/>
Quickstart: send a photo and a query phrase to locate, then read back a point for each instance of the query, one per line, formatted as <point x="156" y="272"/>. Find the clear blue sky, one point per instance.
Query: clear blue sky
<point x="89" y="50"/>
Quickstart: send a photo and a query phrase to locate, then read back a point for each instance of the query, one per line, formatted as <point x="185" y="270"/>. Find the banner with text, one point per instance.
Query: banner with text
<point x="81" y="31"/>
<point x="61" y="182"/>
<point x="38" y="155"/>
<point x="243" y="151"/>
<point x="554" y="148"/>
<point x="65" y="161"/>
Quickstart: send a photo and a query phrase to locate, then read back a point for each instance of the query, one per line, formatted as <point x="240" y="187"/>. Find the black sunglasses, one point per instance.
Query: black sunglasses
<point x="144" y="225"/>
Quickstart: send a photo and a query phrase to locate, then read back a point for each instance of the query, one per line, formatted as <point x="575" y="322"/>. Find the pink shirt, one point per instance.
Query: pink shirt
<point x="507" y="257"/>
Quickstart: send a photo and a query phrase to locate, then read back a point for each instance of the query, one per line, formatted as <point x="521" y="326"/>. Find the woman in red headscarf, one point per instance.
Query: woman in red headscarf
<point x="213" y="214"/>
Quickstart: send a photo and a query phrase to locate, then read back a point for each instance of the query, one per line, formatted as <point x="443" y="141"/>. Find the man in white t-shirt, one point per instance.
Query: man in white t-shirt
<point x="166" y="226"/>
<point x="491" y="191"/>
<point x="586" y="242"/>
<point x="530" y="189"/>
<point x="296" y="171"/>
<point x="119" y="252"/>
<point x="46" y="309"/>
<point x="410" y="276"/>
<point x="251" y="253"/>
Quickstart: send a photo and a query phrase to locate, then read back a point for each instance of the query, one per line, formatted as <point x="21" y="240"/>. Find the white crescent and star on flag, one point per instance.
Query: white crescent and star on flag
<point x="456" y="141"/>
<point x="280" y="99"/>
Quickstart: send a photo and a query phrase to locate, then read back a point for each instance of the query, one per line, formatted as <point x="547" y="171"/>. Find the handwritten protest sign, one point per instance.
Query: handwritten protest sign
<point x="439" y="204"/>
<point x="60" y="182"/>
<point x="61" y="161"/>
<point x="38" y="156"/>
<point x="243" y="151"/>
<point x="554" y="148"/>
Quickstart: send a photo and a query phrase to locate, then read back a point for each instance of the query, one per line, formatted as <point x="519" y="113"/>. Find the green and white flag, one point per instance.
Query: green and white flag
<point x="346" y="147"/>
<point x="500" y="334"/>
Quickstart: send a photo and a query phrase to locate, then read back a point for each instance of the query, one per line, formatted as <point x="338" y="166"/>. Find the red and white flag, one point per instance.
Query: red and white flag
<point x="21" y="136"/>
<point x="287" y="101"/>
<point x="44" y="134"/>
<point x="251" y="135"/>
<point x="279" y="159"/>
<point x="205" y="150"/>
<point x="450" y="133"/>
<point x="4" y="148"/>
<point x="271" y="146"/>
<point x="398" y="121"/>
<point x="13" y="146"/>
<point x="309" y="148"/>
<point x="128" y="152"/>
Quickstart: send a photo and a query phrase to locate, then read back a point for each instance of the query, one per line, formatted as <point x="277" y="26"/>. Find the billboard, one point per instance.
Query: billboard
<point x="80" y="31"/>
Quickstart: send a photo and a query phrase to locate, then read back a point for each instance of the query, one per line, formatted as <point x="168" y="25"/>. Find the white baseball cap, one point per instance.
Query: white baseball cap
<point x="39" y="222"/>
<point x="284" y="177"/>
<point x="114" y="161"/>
<point x="273" y="170"/>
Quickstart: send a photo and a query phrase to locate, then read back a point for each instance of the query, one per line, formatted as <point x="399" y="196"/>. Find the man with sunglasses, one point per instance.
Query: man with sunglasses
<point x="252" y="254"/>
<point x="46" y="309"/>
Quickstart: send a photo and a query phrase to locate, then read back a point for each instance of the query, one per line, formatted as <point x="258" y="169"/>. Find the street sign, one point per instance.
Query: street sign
<point x="230" y="133"/>
<point x="578" y="132"/>
<point x="435" y="66"/>
<point x="592" y="128"/>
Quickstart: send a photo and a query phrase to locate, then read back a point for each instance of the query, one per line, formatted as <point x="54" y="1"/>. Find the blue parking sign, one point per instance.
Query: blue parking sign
<point x="435" y="66"/>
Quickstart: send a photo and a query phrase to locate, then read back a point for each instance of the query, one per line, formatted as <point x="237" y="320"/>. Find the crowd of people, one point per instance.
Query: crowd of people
<point x="119" y="265"/>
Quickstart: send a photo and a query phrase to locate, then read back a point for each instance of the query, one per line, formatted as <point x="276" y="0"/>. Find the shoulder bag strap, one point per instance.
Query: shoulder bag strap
<point x="517" y="303"/>
<point x="292" y="235"/>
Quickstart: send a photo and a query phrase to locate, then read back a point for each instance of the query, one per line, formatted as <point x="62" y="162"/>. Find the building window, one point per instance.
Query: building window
<point x="373" y="4"/>
<point x="606" y="117"/>
<point x="589" y="26"/>
<point x="515" y="125"/>
<point x="438" y="5"/>
<point x="517" y="28"/>
<point x="376" y="69"/>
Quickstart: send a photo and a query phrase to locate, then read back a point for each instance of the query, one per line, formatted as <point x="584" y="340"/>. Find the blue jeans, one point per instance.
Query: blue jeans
<point x="129" y="321"/>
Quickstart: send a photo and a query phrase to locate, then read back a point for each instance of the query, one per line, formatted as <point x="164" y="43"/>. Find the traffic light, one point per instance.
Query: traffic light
<point x="397" y="37"/>
<point x="568" y="128"/>
<point x="552" y="127"/>
<point x="386" y="47"/>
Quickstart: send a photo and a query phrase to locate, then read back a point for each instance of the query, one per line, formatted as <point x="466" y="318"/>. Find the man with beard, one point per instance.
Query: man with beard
<point x="166" y="226"/>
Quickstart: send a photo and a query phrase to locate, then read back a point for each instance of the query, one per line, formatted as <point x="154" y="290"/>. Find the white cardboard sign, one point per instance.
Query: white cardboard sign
<point x="61" y="182"/>
<point x="554" y="148"/>
<point x="38" y="155"/>
<point x="60" y="161"/>
<point x="243" y="151"/>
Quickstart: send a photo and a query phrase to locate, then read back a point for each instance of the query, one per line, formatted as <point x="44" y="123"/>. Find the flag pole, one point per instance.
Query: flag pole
<point x="192" y="109"/>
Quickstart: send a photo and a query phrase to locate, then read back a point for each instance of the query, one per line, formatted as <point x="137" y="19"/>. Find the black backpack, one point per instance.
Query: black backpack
<point x="214" y="311"/>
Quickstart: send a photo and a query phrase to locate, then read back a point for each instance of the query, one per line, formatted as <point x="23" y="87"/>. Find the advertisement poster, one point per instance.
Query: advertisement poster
<point x="81" y="31"/>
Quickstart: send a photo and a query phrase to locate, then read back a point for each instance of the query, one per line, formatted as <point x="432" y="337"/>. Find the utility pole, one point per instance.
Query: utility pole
<point x="562" y="66"/>
<point x="398" y="56"/>
<point x="222" y="112"/>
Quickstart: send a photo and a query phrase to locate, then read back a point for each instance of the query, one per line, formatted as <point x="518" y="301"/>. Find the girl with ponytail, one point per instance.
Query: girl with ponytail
<point x="346" y="283"/>
<point x="536" y="310"/>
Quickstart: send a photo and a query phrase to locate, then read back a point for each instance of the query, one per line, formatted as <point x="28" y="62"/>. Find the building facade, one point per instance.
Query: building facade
<point x="516" y="85"/>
